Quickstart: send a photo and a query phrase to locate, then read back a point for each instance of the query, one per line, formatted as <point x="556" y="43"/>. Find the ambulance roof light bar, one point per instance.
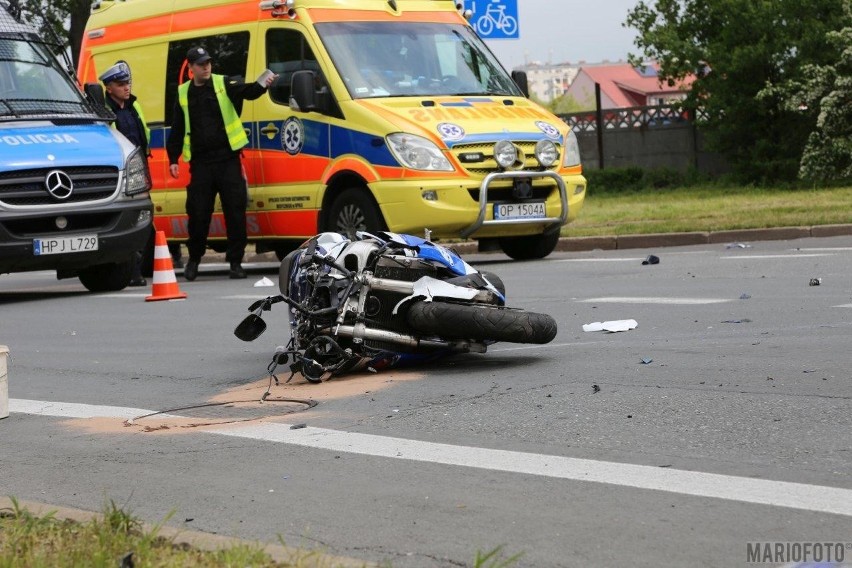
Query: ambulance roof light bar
<point x="466" y="14"/>
<point x="276" y="5"/>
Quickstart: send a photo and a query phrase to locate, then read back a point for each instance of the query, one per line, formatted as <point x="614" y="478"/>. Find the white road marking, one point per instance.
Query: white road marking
<point x="831" y="500"/>
<point x="651" y="300"/>
<point x="825" y="249"/>
<point x="769" y="256"/>
<point x="843" y="306"/>
<point x="546" y="346"/>
<point x="614" y="259"/>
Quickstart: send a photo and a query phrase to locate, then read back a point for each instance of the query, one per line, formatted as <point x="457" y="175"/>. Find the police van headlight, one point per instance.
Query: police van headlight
<point x="418" y="153"/>
<point x="136" y="176"/>
<point x="572" y="150"/>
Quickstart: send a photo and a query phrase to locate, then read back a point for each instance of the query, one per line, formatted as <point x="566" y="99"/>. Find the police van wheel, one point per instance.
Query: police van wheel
<point x="529" y="247"/>
<point x="354" y="210"/>
<point x="106" y="277"/>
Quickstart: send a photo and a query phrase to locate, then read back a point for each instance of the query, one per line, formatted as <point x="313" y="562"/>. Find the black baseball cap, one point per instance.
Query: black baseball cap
<point x="198" y="55"/>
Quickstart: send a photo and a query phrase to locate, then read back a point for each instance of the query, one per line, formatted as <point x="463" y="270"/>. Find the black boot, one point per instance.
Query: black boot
<point x="237" y="271"/>
<point x="190" y="271"/>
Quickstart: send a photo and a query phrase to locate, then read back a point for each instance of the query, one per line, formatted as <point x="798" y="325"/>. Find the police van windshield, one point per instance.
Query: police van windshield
<point x="33" y="85"/>
<point x="399" y="59"/>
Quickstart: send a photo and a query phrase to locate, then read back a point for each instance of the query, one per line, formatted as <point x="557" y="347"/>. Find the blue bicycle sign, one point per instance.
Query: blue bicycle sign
<point x="498" y="20"/>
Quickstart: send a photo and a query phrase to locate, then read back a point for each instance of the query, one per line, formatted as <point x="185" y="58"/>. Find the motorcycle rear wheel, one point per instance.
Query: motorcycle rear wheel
<point x="481" y="322"/>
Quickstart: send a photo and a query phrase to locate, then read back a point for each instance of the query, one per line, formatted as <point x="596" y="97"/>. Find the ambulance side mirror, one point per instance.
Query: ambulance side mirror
<point x="520" y="79"/>
<point x="303" y="92"/>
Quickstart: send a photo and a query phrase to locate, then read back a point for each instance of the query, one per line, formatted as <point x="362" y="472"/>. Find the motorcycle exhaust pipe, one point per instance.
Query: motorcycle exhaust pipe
<point x="360" y="332"/>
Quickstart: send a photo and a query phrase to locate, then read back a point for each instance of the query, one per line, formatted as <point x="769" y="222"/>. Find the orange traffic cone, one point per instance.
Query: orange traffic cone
<point x="165" y="285"/>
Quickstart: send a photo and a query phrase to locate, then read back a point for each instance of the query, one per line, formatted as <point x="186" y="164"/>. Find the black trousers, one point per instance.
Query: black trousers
<point x="207" y="179"/>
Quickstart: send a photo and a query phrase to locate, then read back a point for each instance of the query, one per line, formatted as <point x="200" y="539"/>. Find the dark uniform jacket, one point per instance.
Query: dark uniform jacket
<point x="129" y="123"/>
<point x="208" y="139"/>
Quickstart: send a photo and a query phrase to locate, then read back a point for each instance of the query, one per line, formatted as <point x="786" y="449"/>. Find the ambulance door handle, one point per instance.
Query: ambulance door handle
<point x="270" y="130"/>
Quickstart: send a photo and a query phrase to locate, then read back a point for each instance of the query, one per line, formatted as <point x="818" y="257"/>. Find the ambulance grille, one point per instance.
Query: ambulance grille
<point x="488" y="164"/>
<point x="501" y="190"/>
<point x="26" y="188"/>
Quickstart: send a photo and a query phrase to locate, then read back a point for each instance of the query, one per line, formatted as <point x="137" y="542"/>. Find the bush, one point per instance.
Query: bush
<point x="615" y="180"/>
<point x="634" y="178"/>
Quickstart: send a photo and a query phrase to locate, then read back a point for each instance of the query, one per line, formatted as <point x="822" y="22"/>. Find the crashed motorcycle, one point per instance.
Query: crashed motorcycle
<point x="381" y="300"/>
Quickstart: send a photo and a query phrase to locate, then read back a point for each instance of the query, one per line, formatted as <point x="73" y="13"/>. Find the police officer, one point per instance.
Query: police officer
<point x="130" y="121"/>
<point x="207" y="130"/>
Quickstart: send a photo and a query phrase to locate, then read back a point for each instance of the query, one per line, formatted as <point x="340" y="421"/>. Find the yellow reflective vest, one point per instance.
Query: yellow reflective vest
<point x="233" y="125"/>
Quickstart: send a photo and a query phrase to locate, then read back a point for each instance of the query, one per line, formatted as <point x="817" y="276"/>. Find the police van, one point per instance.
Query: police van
<point x="386" y="114"/>
<point x="74" y="194"/>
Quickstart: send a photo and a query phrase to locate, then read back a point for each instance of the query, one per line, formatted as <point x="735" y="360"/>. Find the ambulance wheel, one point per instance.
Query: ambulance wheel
<point x="107" y="277"/>
<point x="354" y="210"/>
<point x="529" y="247"/>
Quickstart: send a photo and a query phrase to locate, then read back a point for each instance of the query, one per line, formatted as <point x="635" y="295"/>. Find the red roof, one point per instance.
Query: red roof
<point x="625" y="85"/>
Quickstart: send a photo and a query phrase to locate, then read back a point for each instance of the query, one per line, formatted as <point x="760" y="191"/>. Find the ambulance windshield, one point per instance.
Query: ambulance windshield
<point x="405" y="59"/>
<point x="33" y="85"/>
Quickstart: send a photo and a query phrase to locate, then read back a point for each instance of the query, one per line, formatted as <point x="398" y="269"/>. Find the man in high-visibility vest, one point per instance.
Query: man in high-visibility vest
<point x="207" y="130"/>
<point x="130" y="121"/>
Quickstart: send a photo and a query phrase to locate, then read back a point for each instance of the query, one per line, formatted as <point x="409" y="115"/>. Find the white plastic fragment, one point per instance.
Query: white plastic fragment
<point x="611" y="326"/>
<point x="264" y="283"/>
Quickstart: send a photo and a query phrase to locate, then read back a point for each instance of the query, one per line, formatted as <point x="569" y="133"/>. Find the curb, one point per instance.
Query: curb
<point x="650" y="240"/>
<point x="200" y="540"/>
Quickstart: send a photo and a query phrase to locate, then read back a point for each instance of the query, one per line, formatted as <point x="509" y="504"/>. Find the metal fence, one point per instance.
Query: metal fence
<point x="665" y="136"/>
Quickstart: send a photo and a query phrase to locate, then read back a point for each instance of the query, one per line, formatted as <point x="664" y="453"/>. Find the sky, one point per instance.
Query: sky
<point x="556" y="31"/>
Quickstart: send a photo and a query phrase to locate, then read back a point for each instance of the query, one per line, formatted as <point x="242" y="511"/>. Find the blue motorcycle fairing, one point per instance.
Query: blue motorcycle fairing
<point x="436" y="252"/>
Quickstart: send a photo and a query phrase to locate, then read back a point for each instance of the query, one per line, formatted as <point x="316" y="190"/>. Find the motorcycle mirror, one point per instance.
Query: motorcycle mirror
<point x="250" y="328"/>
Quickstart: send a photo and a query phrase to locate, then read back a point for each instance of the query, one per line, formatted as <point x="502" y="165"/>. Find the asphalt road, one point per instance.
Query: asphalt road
<point x="720" y="422"/>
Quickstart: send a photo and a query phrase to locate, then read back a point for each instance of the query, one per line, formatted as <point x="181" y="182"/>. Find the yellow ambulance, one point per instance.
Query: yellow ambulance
<point x="386" y="114"/>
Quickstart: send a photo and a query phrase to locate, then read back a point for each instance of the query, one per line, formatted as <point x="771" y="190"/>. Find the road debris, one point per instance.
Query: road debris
<point x="264" y="283"/>
<point x="815" y="281"/>
<point x="651" y="260"/>
<point x="611" y="326"/>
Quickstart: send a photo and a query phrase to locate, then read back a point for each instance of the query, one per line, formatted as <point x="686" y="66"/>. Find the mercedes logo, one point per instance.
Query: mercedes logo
<point x="59" y="184"/>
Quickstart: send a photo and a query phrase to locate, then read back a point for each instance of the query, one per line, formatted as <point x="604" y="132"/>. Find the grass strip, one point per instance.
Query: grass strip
<point x="709" y="208"/>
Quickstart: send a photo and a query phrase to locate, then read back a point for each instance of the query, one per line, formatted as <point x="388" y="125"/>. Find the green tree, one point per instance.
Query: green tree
<point x="828" y="152"/>
<point x="566" y="104"/>
<point x="66" y="19"/>
<point x="735" y="49"/>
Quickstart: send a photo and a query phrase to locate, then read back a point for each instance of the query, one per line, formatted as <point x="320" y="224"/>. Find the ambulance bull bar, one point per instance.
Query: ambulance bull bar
<point x="483" y="202"/>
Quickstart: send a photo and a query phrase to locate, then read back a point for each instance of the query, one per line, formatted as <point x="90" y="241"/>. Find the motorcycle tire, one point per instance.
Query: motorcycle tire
<point x="480" y="322"/>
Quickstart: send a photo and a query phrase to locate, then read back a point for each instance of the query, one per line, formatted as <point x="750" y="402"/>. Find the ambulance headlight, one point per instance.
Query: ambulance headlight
<point x="546" y="153"/>
<point x="572" y="150"/>
<point x="505" y="154"/>
<point x="418" y="153"/>
<point x="136" y="176"/>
